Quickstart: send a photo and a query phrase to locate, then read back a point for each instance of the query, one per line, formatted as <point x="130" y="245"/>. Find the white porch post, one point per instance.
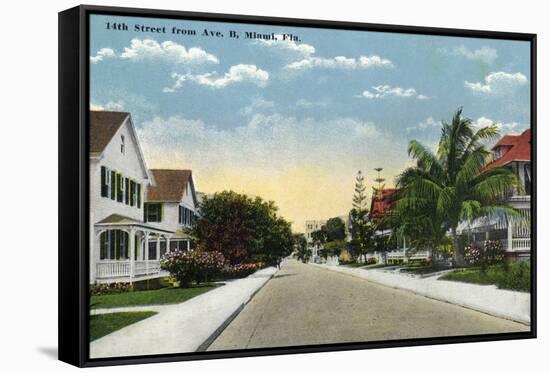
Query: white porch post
<point x="188" y="245"/>
<point x="167" y="244"/>
<point x="146" y="254"/>
<point x="93" y="265"/>
<point x="132" y="254"/>
<point x="510" y="236"/>
<point x="145" y="246"/>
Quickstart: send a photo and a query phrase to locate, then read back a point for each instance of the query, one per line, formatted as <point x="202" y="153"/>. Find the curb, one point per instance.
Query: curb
<point x="464" y="304"/>
<point x="219" y="330"/>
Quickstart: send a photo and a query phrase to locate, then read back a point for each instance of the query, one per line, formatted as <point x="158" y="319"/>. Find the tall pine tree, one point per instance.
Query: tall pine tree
<point x="359" y="198"/>
<point x="361" y="228"/>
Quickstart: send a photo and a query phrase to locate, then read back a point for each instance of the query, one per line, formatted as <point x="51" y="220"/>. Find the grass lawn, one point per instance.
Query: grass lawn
<point x="149" y="297"/>
<point x="518" y="276"/>
<point x="101" y="325"/>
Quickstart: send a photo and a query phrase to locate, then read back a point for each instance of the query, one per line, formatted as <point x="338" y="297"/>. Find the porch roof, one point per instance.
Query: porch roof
<point x="181" y="234"/>
<point x="124" y="221"/>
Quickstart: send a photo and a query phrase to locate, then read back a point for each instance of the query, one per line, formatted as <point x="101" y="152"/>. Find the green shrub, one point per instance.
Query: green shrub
<point x="113" y="288"/>
<point x="189" y="266"/>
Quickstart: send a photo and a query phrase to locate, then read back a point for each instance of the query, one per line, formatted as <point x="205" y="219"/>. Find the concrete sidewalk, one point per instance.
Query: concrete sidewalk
<point x="507" y="304"/>
<point x="186" y="327"/>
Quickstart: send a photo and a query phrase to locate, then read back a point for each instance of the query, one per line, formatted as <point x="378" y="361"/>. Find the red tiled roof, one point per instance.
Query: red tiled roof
<point x="170" y="185"/>
<point x="513" y="148"/>
<point x="382" y="203"/>
<point x="103" y="126"/>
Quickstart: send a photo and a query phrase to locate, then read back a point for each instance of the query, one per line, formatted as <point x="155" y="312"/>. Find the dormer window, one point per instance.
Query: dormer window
<point x="497" y="153"/>
<point x="122" y="144"/>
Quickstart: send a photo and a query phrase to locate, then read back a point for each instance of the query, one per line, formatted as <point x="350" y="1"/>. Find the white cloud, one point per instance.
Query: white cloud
<point x="109" y="106"/>
<point x="256" y="104"/>
<point x="236" y="74"/>
<point x="149" y="49"/>
<point x="428" y="123"/>
<point x="504" y="128"/>
<point x="497" y="83"/>
<point x="484" y="54"/>
<point x="102" y="54"/>
<point x="266" y="142"/>
<point x="287" y="45"/>
<point x="340" y="62"/>
<point x="384" y="91"/>
<point x="303" y="103"/>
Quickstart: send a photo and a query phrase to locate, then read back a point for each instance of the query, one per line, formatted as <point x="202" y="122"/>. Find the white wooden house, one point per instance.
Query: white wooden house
<point x="172" y="205"/>
<point x="513" y="151"/>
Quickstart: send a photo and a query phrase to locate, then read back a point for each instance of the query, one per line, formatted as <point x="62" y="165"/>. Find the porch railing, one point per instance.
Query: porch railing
<point x="121" y="268"/>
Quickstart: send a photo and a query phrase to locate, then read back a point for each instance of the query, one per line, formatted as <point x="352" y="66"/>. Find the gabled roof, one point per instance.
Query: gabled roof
<point x="382" y="203"/>
<point x="103" y="126"/>
<point x="170" y="185"/>
<point x="513" y="148"/>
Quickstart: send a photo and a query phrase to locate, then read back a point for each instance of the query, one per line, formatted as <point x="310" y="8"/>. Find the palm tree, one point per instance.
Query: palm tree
<point x="452" y="184"/>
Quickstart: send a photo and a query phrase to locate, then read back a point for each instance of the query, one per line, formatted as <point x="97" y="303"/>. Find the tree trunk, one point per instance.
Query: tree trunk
<point x="458" y="253"/>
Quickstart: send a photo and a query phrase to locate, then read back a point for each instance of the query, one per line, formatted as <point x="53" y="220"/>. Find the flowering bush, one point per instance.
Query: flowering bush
<point x="114" y="288"/>
<point x="491" y="253"/>
<point x="188" y="266"/>
<point x="472" y="254"/>
<point x="240" y="270"/>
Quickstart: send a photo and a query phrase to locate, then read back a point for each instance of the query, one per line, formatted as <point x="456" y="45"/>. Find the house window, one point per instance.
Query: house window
<point x="122" y="144"/>
<point x="114" y="245"/>
<point x="180" y="245"/>
<point x="527" y="176"/>
<point x="497" y="153"/>
<point x="132" y="193"/>
<point x="153" y="212"/>
<point x="152" y="252"/>
<point x="126" y="191"/>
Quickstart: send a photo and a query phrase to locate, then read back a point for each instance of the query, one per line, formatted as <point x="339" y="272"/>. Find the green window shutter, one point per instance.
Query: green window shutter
<point x="161" y="208"/>
<point x="119" y="195"/>
<point x="113" y="185"/>
<point x="126" y="190"/>
<point x="139" y="196"/>
<point x="104" y="186"/>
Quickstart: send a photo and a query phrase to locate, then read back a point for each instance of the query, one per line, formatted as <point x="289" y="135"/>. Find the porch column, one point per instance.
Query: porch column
<point x="93" y="264"/>
<point x="188" y="245"/>
<point x="510" y="235"/>
<point x="132" y="254"/>
<point x="167" y="244"/>
<point x="158" y="247"/>
<point x="146" y="253"/>
<point x="145" y="246"/>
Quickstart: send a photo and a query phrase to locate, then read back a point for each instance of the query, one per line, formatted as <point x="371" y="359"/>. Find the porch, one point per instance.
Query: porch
<point x="127" y="250"/>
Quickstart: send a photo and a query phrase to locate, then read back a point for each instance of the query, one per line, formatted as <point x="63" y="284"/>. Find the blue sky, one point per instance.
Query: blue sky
<point x="293" y="121"/>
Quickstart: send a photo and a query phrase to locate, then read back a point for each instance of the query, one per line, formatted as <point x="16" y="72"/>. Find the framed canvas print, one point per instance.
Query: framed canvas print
<point x="237" y="186"/>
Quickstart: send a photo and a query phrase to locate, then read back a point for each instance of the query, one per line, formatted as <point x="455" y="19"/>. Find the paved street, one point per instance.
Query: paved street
<point x="304" y="304"/>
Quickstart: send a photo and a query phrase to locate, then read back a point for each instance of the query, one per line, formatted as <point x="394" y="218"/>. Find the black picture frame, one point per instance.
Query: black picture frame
<point x="74" y="189"/>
